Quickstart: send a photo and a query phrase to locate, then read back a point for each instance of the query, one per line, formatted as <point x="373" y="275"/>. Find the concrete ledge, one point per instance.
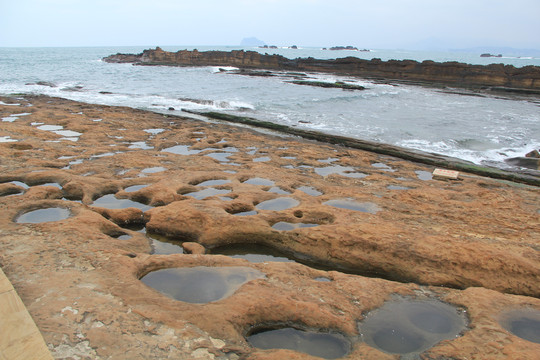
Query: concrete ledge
<point x="19" y="336"/>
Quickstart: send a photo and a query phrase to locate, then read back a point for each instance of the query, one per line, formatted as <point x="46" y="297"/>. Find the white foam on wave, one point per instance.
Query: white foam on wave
<point x="217" y="69"/>
<point x="448" y="148"/>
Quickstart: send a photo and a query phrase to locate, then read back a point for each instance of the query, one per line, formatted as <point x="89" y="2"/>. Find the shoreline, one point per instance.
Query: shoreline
<point x="433" y="159"/>
<point x="408" y="235"/>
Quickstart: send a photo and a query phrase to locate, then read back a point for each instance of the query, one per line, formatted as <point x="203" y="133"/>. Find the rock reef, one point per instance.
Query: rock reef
<point x="361" y="230"/>
<point x="451" y="73"/>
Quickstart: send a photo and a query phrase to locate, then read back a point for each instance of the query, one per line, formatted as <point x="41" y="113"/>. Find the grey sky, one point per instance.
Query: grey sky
<point x="369" y="24"/>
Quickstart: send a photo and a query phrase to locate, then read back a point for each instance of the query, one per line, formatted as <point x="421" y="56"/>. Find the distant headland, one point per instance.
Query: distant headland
<point x="494" y="76"/>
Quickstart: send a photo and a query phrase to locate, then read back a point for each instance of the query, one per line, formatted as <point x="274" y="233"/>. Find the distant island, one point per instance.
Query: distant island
<point x="490" y="55"/>
<point x="349" y="47"/>
<point x="494" y="76"/>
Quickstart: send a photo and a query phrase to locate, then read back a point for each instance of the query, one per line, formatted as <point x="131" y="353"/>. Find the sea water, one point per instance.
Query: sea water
<point x="483" y="129"/>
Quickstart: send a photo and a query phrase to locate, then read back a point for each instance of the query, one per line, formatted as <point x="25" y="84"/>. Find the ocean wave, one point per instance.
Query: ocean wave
<point x="470" y="150"/>
<point x="196" y="104"/>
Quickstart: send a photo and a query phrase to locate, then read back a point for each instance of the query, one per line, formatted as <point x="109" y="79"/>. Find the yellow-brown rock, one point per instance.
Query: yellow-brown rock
<point x="473" y="243"/>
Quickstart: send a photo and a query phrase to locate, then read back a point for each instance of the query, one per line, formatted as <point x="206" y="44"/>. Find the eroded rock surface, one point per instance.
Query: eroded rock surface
<point x="472" y="243"/>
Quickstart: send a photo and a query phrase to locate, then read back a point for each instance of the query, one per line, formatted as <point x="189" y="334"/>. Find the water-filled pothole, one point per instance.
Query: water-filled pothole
<point x="181" y="150"/>
<point x="366" y="207"/>
<point x="383" y="167"/>
<point x="220" y="156"/>
<point x="162" y="245"/>
<point x="324" y="345"/>
<point x="19" y="183"/>
<point x="278" y="190"/>
<point x="262" y="159"/>
<point x="111" y="202"/>
<point x="259" y="181"/>
<point x="407" y="326"/>
<point x="203" y="194"/>
<point x="278" y="204"/>
<point x="246" y="213"/>
<point x="44" y="215"/>
<point x="397" y="187"/>
<point x="214" y="182"/>
<point x="524" y="323"/>
<point x="424" y="175"/>
<point x="346" y="171"/>
<point x="56" y="185"/>
<point x="201" y="284"/>
<point x="254" y="253"/>
<point x="283" y="225"/>
<point x="134" y="188"/>
<point x="310" y="190"/>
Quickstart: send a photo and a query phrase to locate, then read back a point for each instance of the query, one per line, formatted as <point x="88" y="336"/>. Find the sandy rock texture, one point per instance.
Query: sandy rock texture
<point x="473" y="243"/>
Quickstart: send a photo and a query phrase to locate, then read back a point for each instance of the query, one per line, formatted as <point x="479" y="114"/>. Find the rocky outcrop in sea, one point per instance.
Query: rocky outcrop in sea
<point x="453" y="73"/>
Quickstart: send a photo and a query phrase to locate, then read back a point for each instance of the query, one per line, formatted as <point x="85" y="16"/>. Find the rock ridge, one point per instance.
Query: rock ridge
<point x="451" y="72"/>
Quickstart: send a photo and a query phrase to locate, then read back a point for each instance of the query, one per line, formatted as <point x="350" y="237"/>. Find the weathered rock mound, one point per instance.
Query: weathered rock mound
<point x="455" y="73"/>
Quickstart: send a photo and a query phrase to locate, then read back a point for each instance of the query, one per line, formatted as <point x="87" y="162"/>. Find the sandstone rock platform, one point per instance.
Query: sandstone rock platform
<point x="473" y="243"/>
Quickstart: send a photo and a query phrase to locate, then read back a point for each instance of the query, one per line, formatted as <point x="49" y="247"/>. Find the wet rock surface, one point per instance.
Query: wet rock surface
<point x="472" y="244"/>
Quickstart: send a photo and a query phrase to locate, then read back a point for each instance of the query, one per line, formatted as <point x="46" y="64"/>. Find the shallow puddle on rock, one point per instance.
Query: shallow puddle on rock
<point x="410" y="327"/>
<point x="200" y="285"/>
<point x="203" y="194"/>
<point x="324" y="345"/>
<point x="328" y="161"/>
<point x="50" y="127"/>
<point x="181" y="150"/>
<point x="322" y="279"/>
<point x="278" y="204"/>
<point x="68" y="133"/>
<point x="134" y="188"/>
<point x="396" y="187"/>
<point x="285" y="226"/>
<point x="367" y="207"/>
<point x="246" y="213"/>
<point x="6" y="139"/>
<point x="383" y="167"/>
<point x="56" y="185"/>
<point x="254" y="253"/>
<point x="215" y="182"/>
<point x="259" y="181"/>
<point x="524" y="323"/>
<point x="44" y="215"/>
<point x="278" y="190"/>
<point x="153" y="170"/>
<point x="141" y="145"/>
<point x="346" y="171"/>
<point x="219" y="156"/>
<point x="154" y="131"/>
<point x="424" y="175"/>
<point x="19" y="183"/>
<point x="162" y="245"/>
<point x="262" y="159"/>
<point x="310" y="190"/>
<point x="111" y="202"/>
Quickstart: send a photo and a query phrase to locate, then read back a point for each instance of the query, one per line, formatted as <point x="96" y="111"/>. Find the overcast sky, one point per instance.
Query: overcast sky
<point x="362" y="23"/>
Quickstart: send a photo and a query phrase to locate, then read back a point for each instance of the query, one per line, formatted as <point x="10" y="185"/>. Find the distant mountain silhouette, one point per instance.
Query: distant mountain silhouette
<point x="252" y="41"/>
